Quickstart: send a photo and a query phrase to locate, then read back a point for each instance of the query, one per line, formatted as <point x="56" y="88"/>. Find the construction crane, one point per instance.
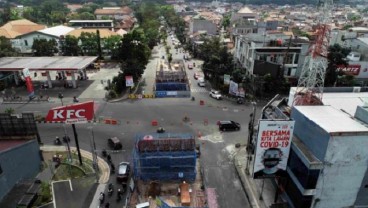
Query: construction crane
<point x="309" y="90"/>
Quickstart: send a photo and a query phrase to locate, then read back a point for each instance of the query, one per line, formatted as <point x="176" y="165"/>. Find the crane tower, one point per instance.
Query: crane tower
<point x="311" y="81"/>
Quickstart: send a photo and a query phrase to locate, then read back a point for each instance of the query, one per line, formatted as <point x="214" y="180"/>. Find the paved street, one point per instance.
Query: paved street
<point x="135" y="116"/>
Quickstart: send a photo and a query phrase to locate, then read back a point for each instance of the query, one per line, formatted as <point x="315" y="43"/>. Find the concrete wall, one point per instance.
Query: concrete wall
<point x="313" y="136"/>
<point x="202" y="25"/>
<point x="345" y="165"/>
<point x="21" y="162"/>
<point x="25" y="43"/>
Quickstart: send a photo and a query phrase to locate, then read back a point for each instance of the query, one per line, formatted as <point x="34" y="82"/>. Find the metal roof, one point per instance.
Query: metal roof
<point x="55" y="63"/>
<point x="57" y="30"/>
<point x="346" y="101"/>
<point x="331" y="119"/>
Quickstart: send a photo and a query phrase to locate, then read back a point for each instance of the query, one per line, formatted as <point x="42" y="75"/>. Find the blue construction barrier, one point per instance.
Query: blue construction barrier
<point x="165" y="157"/>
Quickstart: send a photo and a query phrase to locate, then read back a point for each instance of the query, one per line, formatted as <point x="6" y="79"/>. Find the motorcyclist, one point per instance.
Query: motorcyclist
<point x="75" y="99"/>
<point x="57" y="140"/>
<point x="110" y="189"/>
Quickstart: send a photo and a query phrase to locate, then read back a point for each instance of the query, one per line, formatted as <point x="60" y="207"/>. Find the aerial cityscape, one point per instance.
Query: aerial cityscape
<point x="177" y="103"/>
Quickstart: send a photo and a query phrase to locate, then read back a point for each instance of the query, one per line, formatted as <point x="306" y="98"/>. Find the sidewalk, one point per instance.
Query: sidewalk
<point x="252" y="187"/>
<point x="104" y="170"/>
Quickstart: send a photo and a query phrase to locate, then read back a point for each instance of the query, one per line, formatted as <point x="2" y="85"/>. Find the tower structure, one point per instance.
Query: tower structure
<point x="311" y="81"/>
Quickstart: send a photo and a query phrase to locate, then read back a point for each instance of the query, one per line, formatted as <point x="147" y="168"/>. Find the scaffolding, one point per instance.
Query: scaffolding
<point x="165" y="157"/>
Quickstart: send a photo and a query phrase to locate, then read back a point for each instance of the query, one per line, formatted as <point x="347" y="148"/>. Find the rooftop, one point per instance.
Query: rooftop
<point x="6" y="144"/>
<point x="57" y="30"/>
<point x="331" y="120"/>
<point x="104" y="33"/>
<point x="46" y="63"/>
<point x="245" y="10"/>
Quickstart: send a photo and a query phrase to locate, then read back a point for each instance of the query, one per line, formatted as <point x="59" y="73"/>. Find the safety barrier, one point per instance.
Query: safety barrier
<point x="140" y="96"/>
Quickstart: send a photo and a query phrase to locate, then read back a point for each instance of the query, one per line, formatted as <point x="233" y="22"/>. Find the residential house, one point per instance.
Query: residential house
<point x="197" y="25"/>
<point x="15" y="28"/>
<point x="24" y="43"/>
<point x="116" y="13"/>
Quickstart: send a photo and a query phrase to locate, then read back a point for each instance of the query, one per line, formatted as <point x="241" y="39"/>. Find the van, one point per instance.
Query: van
<point x="114" y="143"/>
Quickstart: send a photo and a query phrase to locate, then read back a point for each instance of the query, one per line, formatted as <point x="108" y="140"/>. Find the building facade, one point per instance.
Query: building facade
<point x="253" y="51"/>
<point x="19" y="160"/>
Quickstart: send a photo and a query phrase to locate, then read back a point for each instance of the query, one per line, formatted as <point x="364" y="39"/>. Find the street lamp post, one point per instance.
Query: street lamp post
<point x="93" y="150"/>
<point x="250" y="136"/>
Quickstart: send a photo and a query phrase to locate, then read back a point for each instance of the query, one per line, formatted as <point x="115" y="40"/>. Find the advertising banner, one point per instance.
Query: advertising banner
<point x="273" y="147"/>
<point x="352" y="69"/>
<point x="27" y="77"/>
<point x="76" y="113"/>
<point x="226" y="79"/>
<point x="129" y="81"/>
<point x="233" y="88"/>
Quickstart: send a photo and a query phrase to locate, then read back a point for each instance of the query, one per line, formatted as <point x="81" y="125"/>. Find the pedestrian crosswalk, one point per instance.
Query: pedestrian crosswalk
<point x="198" y="89"/>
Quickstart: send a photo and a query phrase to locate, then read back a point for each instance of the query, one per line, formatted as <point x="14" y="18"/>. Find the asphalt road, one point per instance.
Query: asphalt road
<point x="135" y="116"/>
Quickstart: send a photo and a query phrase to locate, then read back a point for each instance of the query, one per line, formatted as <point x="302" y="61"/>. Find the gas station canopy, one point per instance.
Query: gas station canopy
<point x="53" y="63"/>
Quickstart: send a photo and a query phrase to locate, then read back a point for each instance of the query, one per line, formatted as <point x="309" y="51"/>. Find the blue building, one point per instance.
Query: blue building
<point x="165" y="157"/>
<point x="19" y="160"/>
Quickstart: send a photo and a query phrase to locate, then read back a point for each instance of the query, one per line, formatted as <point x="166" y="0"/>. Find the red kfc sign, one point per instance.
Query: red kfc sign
<point x="76" y="113"/>
<point x="349" y="69"/>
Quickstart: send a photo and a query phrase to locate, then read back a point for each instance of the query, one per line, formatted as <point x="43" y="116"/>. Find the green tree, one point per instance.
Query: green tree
<point x="53" y="11"/>
<point x="336" y="57"/>
<point x="134" y="53"/>
<point x="98" y="40"/>
<point x="112" y="46"/>
<point x="6" y="48"/>
<point x="226" y="20"/>
<point x="69" y="46"/>
<point x="43" y="47"/>
<point x="89" y="44"/>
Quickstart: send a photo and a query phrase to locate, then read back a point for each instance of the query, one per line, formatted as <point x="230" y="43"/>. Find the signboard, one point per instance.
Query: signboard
<point x="273" y="147"/>
<point x="27" y="77"/>
<point x="226" y="79"/>
<point x="129" y="81"/>
<point x="353" y="69"/>
<point x="76" y="113"/>
<point x="233" y="88"/>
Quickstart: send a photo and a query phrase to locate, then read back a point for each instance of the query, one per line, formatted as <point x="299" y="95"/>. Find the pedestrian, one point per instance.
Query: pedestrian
<point x="109" y="158"/>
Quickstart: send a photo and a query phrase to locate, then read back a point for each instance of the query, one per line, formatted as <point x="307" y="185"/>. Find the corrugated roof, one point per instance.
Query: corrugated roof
<point x="104" y="33"/>
<point x="57" y="30"/>
<point x="111" y="11"/>
<point x="331" y="120"/>
<point x="72" y="63"/>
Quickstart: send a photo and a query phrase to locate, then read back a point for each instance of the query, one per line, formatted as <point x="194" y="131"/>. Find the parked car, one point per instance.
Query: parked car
<point x="190" y="66"/>
<point x="114" y="143"/>
<point x="215" y="94"/>
<point x="228" y="126"/>
<point x="123" y="172"/>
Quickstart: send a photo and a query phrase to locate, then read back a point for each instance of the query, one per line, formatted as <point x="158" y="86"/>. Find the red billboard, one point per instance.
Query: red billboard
<point x="76" y="113"/>
<point x="352" y="69"/>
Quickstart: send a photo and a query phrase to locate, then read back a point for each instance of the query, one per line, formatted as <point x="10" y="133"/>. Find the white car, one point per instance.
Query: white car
<point x="201" y="82"/>
<point x="215" y="94"/>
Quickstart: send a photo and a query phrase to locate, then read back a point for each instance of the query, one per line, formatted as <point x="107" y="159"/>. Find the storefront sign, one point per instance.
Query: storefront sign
<point x="349" y="69"/>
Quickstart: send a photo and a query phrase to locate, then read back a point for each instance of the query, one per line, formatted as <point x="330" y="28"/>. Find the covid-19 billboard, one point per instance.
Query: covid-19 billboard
<point x="273" y="147"/>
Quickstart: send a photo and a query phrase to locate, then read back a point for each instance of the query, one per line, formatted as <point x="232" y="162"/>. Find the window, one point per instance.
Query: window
<point x="306" y="177"/>
<point x="26" y="42"/>
<point x="1" y="170"/>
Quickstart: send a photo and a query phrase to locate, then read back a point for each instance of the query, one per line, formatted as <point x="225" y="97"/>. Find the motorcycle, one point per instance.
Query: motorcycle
<point x="102" y="198"/>
<point x="110" y="189"/>
<point x="160" y="130"/>
<point x="57" y="141"/>
<point x="119" y="193"/>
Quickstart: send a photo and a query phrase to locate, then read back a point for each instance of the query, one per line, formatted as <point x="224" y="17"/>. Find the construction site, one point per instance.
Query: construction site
<point x="171" y="80"/>
<point x="167" y="172"/>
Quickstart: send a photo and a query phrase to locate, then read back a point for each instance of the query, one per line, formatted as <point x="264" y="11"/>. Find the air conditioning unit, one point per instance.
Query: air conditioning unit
<point x="356" y="89"/>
